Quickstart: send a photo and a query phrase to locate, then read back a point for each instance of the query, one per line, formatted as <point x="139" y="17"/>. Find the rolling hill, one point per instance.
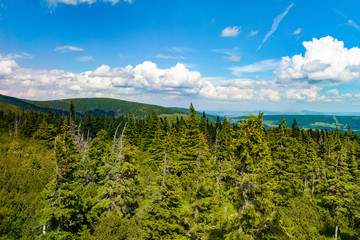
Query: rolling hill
<point x="96" y="105"/>
<point x="115" y="107"/>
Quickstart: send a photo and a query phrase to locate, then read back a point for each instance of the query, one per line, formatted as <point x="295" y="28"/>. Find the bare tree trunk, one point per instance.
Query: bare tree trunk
<point x="121" y="140"/>
<point x="117" y="128"/>
<point x="336" y="232"/>
<point x="164" y="170"/>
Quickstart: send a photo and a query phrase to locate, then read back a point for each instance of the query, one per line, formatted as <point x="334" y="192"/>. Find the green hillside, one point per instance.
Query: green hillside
<point x="325" y="122"/>
<point x="17" y="105"/>
<point x="104" y="105"/>
<point x="114" y="107"/>
<point x="97" y="105"/>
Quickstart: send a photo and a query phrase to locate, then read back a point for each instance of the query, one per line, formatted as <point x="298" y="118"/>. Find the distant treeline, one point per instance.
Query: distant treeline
<point x="121" y="177"/>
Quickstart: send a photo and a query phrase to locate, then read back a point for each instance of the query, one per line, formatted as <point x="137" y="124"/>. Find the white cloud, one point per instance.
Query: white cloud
<point x="178" y="49"/>
<point x="297" y="31"/>
<point x="85" y="59"/>
<point x="275" y="24"/>
<point x="54" y="3"/>
<point x="333" y="92"/>
<point x="236" y="91"/>
<point x="309" y="94"/>
<point x="160" y="55"/>
<point x="7" y="67"/>
<point x="68" y="49"/>
<point x="352" y="23"/>
<point x="232" y="58"/>
<point x="265" y="65"/>
<point x="253" y="33"/>
<point x="145" y="80"/>
<point x="231" y="31"/>
<point x="113" y="2"/>
<point x="11" y="56"/>
<point x="231" y="52"/>
<point x="325" y="59"/>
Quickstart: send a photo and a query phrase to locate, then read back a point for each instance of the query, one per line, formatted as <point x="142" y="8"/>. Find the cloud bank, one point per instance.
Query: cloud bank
<point x="303" y="78"/>
<point x="325" y="59"/>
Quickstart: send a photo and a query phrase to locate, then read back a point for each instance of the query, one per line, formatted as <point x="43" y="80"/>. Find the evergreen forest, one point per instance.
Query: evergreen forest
<point x="69" y="176"/>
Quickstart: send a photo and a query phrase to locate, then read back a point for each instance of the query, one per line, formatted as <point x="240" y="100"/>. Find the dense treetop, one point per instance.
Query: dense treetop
<point x="121" y="177"/>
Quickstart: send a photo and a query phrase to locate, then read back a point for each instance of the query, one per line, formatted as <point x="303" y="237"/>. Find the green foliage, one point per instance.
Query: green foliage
<point x="125" y="177"/>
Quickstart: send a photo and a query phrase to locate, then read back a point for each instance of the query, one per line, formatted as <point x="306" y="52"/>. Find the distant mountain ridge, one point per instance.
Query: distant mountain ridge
<point x="96" y="105"/>
<point x="115" y="107"/>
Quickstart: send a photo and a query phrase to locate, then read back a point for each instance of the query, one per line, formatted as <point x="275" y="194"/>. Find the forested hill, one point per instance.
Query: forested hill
<point x="96" y="105"/>
<point x="100" y="106"/>
<point x="105" y="177"/>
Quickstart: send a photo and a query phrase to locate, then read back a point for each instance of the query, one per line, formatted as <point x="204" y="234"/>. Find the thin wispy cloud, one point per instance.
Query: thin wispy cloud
<point x="253" y="33"/>
<point x="54" y="3"/>
<point x="12" y="56"/>
<point x="264" y="65"/>
<point x="68" y="49"/>
<point x="275" y="24"/>
<point x="230" y="52"/>
<point x="85" y="59"/>
<point x="160" y="55"/>
<point x="178" y="49"/>
<point x="231" y="31"/>
<point x="350" y="22"/>
<point x="353" y="24"/>
<point x="232" y="58"/>
<point x="297" y="31"/>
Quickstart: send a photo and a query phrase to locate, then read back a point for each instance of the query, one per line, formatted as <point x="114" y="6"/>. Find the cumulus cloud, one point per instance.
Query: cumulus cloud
<point x="333" y="92"/>
<point x="145" y="79"/>
<point x="265" y="65"/>
<point x="242" y="90"/>
<point x="230" y="31"/>
<point x="275" y="24"/>
<point x="297" y="31"/>
<point x="67" y="48"/>
<point x="85" y="59"/>
<point x="325" y="59"/>
<point x="308" y="94"/>
<point x="7" y="67"/>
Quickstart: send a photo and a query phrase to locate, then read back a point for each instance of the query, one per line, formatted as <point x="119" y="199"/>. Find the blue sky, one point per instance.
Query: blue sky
<point x="220" y="55"/>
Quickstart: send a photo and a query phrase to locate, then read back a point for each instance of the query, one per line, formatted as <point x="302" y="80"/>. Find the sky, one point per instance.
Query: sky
<point x="274" y="55"/>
